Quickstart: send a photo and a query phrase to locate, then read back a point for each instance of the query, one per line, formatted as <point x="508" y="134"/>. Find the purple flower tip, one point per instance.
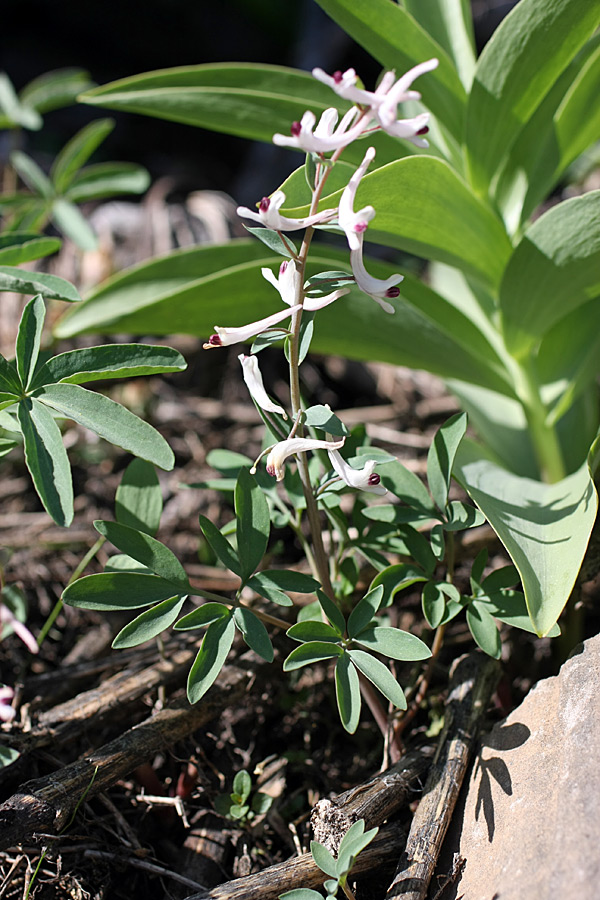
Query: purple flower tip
<point x="423" y="130"/>
<point x="374" y="478"/>
<point x="296" y="129"/>
<point x="271" y="471"/>
<point x="215" y="340"/>
<point x="393" y="292"/>
<point x="337" y="77"/>
<point x="283" y="267"/>
<point x="360" y="227"/>
<point x="264" y="204"/>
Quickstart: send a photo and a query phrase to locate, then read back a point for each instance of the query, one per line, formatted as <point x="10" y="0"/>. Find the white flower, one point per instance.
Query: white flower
<point x="325" y="136"/>
<point x="7" y="713"/>
<point x="225" y="336"/>
<point x="344" y="84"/>
<point x="312" y="304"/>
<point x="7" y="617"/>
<point x="376" y="288"/>
<point x="268" y="214"/>
<point x="255" y="384"/>
<point x="288" y="283"/>
<point x="364" y="479"/>
<point x="280" y="452"/>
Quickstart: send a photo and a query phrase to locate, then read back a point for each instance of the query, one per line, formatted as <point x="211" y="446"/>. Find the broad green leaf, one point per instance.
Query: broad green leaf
<point x="312" y="630"/>
<point x="484" y="629"/>
<point x="29" y="338"/>
<point x="17" y="247"/>
<point x="120" y="562"/>
<point x="49" y="286"/>
<point x="46" y="459"/>
<point x="394" y="643"/>
<point x="253" y="523"/>
<point x="147" y="550"/>
<point x="322" y="417"/>
<point x="211" y="657"/>
<point x="434" y="603"/>
<point x="518" y="66"/>
<point x="380" y="676"/>
<point x="242" y="784"/>
<point x="364" y="611"/>
<point x="312" y="652"/>
<point x="331" y="611"/>
<point x="77" y="151"/>
<point x="440" y="458"/>
<point x="149" y="624"/>
<point x="450" y="23"/>
<point x="255" y="633"/>
<point x="505" y="577"/>
<point x="510" y="607"/>
<point x="272" y="583"/>
<point x="117" y="590"/>
<point x="72" y="224"/>
<point x="220" y="545"/>
<point x="544" y="527"/>
<point x="462" y="515"/>
<point x="452" y="224"/>
<point x="55" y="89"/>
<point x="324" y="859"/>
<point x="138" y="499"/>
<point x="245" y="99"/>
<point x="109" y="420"/>
<point x="107" y="179"/>
<point x="32" y="175"/>
<point x="202" y="616"/>
<point x="396" y="41"/>
<point x="191" y="291"/>
<point x="407" y="487"/>
<point x="397" y="577"/>
<point x="347" y="691"/>
<point x="108" y="361"/>
<point x="554" y="269"/>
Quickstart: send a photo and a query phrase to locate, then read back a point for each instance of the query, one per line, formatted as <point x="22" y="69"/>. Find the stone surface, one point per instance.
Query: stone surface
<point x="528" y="824"/>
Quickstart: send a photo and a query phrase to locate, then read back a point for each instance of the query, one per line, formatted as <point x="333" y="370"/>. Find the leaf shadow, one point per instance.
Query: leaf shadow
<point x="507" y="737"/>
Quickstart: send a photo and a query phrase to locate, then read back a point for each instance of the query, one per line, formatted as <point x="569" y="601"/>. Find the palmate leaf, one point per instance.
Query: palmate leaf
<point x="46" y="459"/>
<point x="109" y="420"/>
<point x="544" y="527"/>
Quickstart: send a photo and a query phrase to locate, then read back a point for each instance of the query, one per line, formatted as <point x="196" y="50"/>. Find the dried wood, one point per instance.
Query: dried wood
<point x="375" y="800"/>
<point x="46" y="804"/>
<point x="302" y="871"/>
<point x="473" y="681"/>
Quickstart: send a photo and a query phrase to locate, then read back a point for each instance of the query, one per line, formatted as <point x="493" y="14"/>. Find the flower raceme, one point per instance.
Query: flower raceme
<point x="280" y="452"/>
<point x="324" y="137"/>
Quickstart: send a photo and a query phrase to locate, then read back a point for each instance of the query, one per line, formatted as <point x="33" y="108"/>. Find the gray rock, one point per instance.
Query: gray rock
<point x="528" y="826"/>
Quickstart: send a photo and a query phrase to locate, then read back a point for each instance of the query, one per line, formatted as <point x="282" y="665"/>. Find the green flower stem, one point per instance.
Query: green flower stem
<point x="59" y="603"/>
<point x="543" y="436"/>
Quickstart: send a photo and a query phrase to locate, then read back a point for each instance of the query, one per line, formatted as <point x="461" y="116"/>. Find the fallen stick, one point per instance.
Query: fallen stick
<point x="302" y="871"/>
<point x="374" y="801"/>
<point x="46" y="804"/>
<point x="473" y="680"/>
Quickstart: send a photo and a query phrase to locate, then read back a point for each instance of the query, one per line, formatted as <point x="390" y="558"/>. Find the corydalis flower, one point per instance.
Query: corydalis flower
<point x="225" y="336"/>
<point x="364" y="479"/>
<point x="288" y="283"/>
<point x="325" y="136"/>
<point x="268" y="215"/>
<point x="255" y="384"/>
<point x="7" y="713"/>
<point x="354" y="225"/>
<point x="8" y="619"/>
<point x="280" y="452"/>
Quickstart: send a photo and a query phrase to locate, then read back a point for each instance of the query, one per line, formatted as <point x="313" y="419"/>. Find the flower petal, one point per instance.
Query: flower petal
<point x="225" y="336"/>
<point x="280" y="452"/>
<point x="362" y="479"/>
<point x="255" y="384"/>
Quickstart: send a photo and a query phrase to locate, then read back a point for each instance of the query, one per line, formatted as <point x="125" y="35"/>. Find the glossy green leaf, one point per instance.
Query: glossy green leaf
<point x="554" y="269"/>
<point x="107" y="179"/>
<point x="544" y="527"/>
<point x="147" y="550"/>
<point x="109" y="420"/>
<point x="450" y="23"/>
<point x="211" y="657"/>
<point x="220" y="545"/>
<point x="380" y="676"/>
<point x="72" y="224"/>
<point x="32" y="175"/>
<point x="77" y="151"/>
<point x="46" y="459"/>
<point x="117" y="590"/>
<point x="50" y="286"/>
<point x="347" y="691"/>
<point x="109" y="361"/>
<point x="312" y="630"/>
<point x="202" y="616"/>
<point x="309" y="653"/>
<point x="254" y="632"/>
<point x="149" y="624"/>
<point x="517" y="67"/>
<point x="17" y="247"/>
<point x="29" y="337"/>
<point x="364" y="611"/>
<point x="484" y="629"/>
<point x="394" y="643"/>
<point x="396" y="41"/>
<point x="138" y="499"/>
<point x="253" y="523"/>
<point x="440" y="458"/>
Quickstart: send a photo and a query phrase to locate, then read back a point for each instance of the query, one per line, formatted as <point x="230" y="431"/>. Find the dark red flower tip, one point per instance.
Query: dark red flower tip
<point x="423" y="130"/>
<point x="296" y="129"/>
<point x="271" y="471"/>
<point x="215" y="340"/>
<point x="393" y="292"/>
<point x="337" y="77"/>
<point x="264" y="204"/>
<point x="374" y="478"/>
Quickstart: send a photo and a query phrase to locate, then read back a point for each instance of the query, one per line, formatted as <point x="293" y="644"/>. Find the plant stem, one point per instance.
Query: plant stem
<point x="543" y="436"/>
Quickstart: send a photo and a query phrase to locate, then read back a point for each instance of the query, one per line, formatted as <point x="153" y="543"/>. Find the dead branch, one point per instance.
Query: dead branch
<point x="473" y="680"/>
